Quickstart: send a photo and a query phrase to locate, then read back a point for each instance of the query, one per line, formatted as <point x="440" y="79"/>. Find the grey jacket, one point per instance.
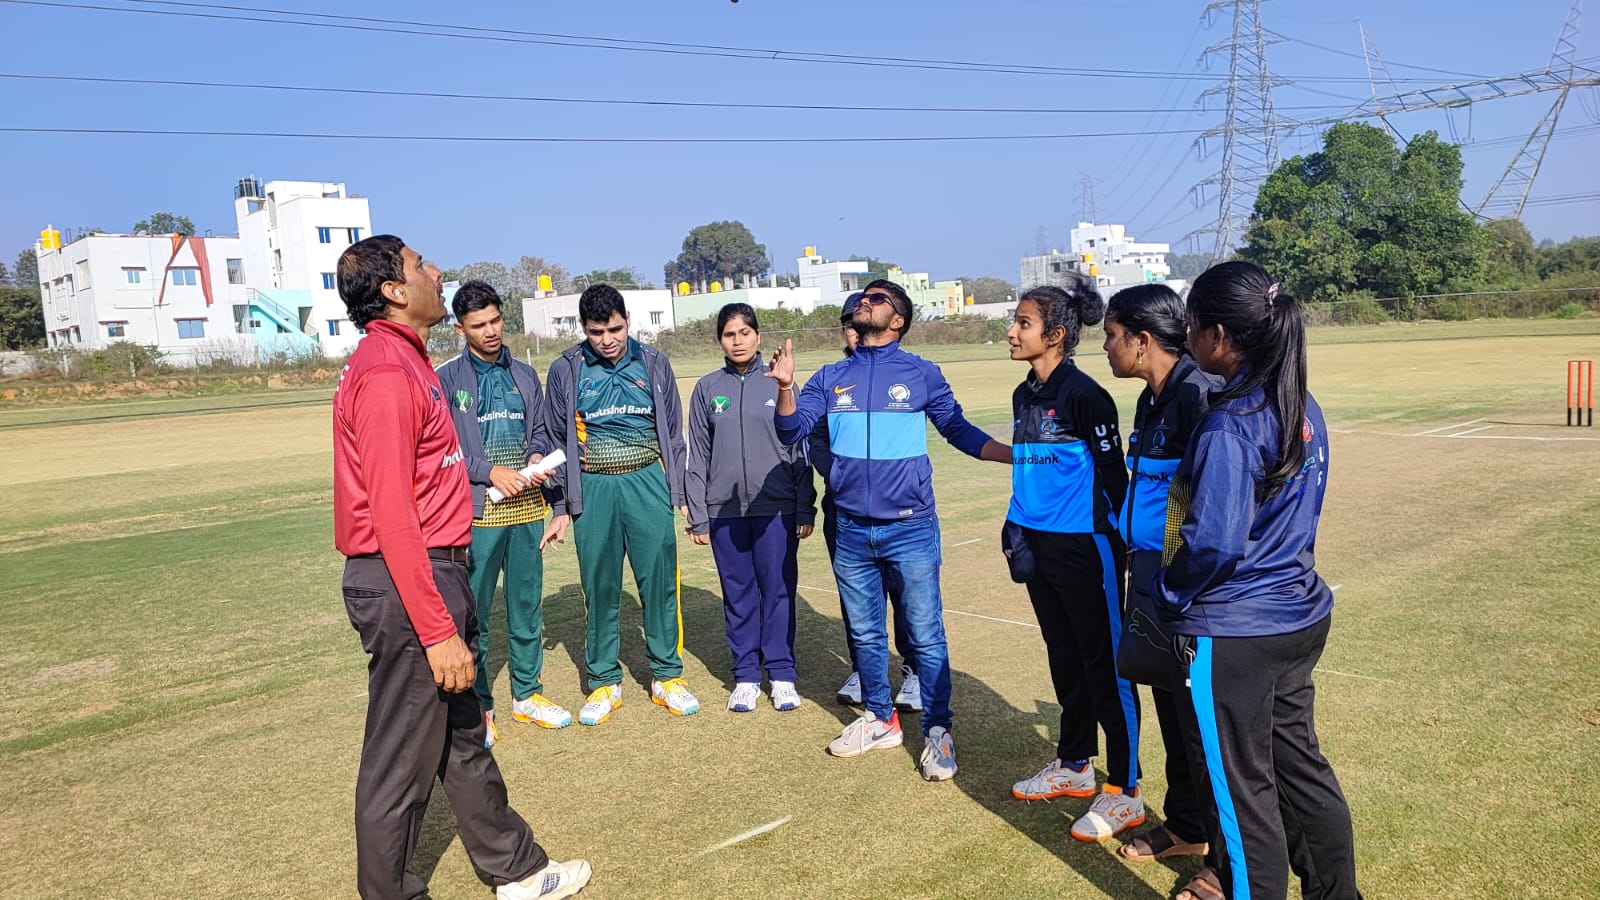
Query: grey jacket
<point x="737" y="466"/>
<point x="458" y="378"/>
<point x="565" y="488"/>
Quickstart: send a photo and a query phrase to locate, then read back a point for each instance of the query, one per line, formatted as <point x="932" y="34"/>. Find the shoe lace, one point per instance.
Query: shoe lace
<point x="600" y="695"/>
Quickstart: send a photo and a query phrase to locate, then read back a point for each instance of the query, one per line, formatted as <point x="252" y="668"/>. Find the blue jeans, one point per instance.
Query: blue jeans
<point x="869" y="551"/>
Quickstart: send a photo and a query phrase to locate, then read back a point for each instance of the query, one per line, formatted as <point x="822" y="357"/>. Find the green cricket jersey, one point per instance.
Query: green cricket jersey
<point x="616" y="414"/>
<point x="502" y="416"/>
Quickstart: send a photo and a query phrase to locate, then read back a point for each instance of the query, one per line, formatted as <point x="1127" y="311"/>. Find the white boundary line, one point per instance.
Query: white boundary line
<point x="1463" y="435"/>
<point x="757" y="831"/>
<point x="957" y="612"/>
<point x="1444" y="428"/>
<point x="964" y="543"/>
<point x="1469" y="431"/>
<point x="1323" y="671"/>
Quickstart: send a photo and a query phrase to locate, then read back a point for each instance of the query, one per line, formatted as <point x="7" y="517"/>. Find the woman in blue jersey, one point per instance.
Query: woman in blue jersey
<point x="1067" y="482"/>
<point x="1145" y="339"/>
<point x="751" y="498"/>
<point x="1241" y="579"/>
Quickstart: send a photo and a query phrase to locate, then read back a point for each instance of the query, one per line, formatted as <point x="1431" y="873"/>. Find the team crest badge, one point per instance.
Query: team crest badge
<point x="719" y="404"/>
<point x="462" y="401"/>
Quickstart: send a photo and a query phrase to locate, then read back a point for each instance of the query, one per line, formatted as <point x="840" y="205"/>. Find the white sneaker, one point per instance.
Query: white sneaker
<point x="1056" y="780"/>
<point x="674" y="695"/>
<point x="939" y="755"/>
<point x="1111" y="813"/>
<point x="490" y="733"/>
<point x="867" y="733"/>
<point x="910" y="696"/>
<point x="602" y="702"/>
<point x="555" y="880"/>
<point x="539" y="711"/>
<point x="744" y="697"/>
<point x="784" y="696"/>
<point x="850" y="694"/>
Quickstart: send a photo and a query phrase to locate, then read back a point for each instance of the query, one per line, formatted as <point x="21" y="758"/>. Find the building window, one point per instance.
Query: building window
<point x="116" y="329"/>
<point x="355" y="235"/>
<point x="655" y="318"/>
<point x="134" y="276"/>
<point x="324" y="235"/>
<point x="191" y="328"/>
<point x="184" y="276"/>
<point x="236" y="271"/>
<point x="72" y="290"/>
<point x="333" y="327"/>
<point x="328" y="281"/>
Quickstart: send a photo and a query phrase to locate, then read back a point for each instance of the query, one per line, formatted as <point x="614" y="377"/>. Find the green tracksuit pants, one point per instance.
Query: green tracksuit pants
<point x="514" y="549"/>
<point x="629" y="515"/>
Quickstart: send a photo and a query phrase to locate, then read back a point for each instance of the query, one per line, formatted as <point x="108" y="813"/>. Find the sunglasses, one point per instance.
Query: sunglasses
<point x="876" y="299"/>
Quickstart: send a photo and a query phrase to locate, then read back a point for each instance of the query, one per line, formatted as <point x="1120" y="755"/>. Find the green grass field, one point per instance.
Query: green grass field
<point x="183" y="701"/>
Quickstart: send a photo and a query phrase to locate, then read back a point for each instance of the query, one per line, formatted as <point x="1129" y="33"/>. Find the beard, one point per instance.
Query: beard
<point x="866" y="328"/>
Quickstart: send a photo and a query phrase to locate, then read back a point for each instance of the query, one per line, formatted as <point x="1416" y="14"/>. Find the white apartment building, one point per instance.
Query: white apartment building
<point x="270" y="289"/>
<point x="1104" y="252"/>
<point x="836" y="280"/>
<point x="556" y="316"/>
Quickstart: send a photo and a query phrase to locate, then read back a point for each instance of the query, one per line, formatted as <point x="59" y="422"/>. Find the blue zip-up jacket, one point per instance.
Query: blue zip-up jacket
<point x="737" y="466"/>
<point x="1066" y="456"/>
<point x="878" y="403"/>
<point x="1245" y="567"/>
<point x="1162" y="428"/>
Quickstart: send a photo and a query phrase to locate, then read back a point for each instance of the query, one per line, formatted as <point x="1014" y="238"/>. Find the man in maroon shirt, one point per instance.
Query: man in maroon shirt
<point x="402" y="516"/>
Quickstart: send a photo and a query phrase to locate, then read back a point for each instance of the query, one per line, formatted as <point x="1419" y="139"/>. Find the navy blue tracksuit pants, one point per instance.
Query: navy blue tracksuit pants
<point x="759" y="573"/>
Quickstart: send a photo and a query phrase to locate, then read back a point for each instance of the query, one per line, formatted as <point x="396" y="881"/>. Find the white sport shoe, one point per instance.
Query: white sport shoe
<point x="674" y="695"/>
<point x="490" y="733"/>
<point x="784" y="696"/>
<point x="1111" y="813"/>
<point x="850" y="693"/>
<point x="602" y="702"/>
<point x="538" y="710"/>
<point x="939" y="755"/>
<point x="867" y="733"/>
<point x="556" y="880"/>
<point x="744" y="697"/>
<point x="910" y="696"/>
<point x="1056" y="780"/>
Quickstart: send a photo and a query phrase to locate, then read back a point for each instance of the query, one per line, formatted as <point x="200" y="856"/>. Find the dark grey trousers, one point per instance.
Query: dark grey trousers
<point x="416" y="733"/>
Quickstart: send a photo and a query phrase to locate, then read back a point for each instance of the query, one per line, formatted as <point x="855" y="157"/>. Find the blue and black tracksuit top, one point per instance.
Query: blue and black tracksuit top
<point x="1162" y="426"/>
<point x="877" y="404"/>
<point x="1067" y="475"/>
<point x="1244" y="565"/>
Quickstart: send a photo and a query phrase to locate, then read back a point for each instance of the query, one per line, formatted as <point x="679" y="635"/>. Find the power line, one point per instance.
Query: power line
<point x="1353" y="55"/>
<point x="453" y="95"/>
<point x="519" y="36"/>
<point x="524" y="139"/>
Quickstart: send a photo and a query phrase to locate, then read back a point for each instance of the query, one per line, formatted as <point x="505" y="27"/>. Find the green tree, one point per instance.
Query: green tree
<point x="990" y="290"/>
<point x="1580" y="254"/>
<point x="525" y="275"/>
<point x="5" y="273"/>
<point x="877" y="267"/>
<point x="21" y="318"/>
<point x="718" y="251"/>
<point x="25" y="273"/>
<point x="625" y="277"/>
<point x="1510" y="257"/>
<point x="164" y="223"/>
<point x="1188" y="265"/>
<point x="1362" y="214"/>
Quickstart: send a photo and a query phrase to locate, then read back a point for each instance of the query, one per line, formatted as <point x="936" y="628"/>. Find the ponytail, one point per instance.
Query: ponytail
<point x="1267" y="328"/>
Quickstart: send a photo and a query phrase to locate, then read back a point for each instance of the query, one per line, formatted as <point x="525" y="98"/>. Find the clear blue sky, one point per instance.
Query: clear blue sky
<point x="947" y="208"/>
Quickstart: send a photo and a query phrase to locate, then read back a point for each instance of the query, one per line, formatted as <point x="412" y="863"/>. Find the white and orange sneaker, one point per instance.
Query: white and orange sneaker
<point x="602" y="702"/>
<point x="1056" y="780"/>
<point x="867" y="733"/>
<point x="490" y="733"/>
<point x="1112" y="812"/>
<point x="538" y="710"/>
<point x="674" y="695"/>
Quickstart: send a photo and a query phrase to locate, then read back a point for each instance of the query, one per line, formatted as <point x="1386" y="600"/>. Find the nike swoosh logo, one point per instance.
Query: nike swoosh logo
<point x="839" y="390"/>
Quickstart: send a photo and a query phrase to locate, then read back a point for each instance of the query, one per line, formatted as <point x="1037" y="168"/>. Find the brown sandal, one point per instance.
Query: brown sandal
<point x="1159" y="843"/>
<point x="1205" y="885"/>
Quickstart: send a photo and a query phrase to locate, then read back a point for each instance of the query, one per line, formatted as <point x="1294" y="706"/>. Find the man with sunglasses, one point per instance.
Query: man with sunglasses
<point x="877" y="403"/>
